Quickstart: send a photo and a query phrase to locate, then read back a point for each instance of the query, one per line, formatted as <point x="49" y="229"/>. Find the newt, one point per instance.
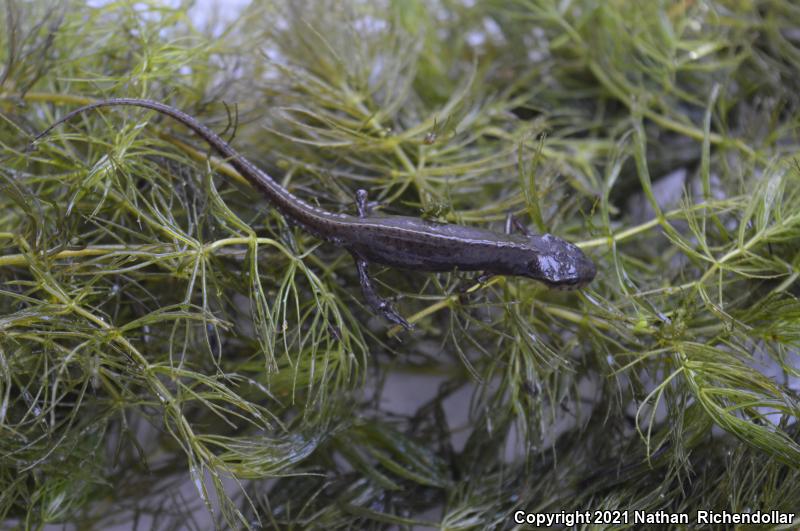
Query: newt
<point x="403" y="242"/>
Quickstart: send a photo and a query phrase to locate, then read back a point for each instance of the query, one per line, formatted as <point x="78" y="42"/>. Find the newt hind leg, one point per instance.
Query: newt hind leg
<point x="361" y="203"/>
<point x="375" y="301"/>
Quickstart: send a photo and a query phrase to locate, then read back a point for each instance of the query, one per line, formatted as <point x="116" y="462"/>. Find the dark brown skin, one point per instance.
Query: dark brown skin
<point x="397" y="241"/>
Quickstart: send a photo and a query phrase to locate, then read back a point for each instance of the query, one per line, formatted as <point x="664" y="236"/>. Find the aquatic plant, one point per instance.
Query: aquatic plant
<point x="160" y="324"/>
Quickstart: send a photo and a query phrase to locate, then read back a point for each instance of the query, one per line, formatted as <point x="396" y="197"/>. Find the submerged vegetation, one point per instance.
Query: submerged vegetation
<point x="161" y="325"/>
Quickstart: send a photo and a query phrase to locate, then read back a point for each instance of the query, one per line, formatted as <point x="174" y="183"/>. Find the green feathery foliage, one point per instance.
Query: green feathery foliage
<point x="161" y="324"/>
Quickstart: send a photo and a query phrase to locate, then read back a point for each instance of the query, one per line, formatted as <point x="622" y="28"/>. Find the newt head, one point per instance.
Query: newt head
<point x="559" y="264"/>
